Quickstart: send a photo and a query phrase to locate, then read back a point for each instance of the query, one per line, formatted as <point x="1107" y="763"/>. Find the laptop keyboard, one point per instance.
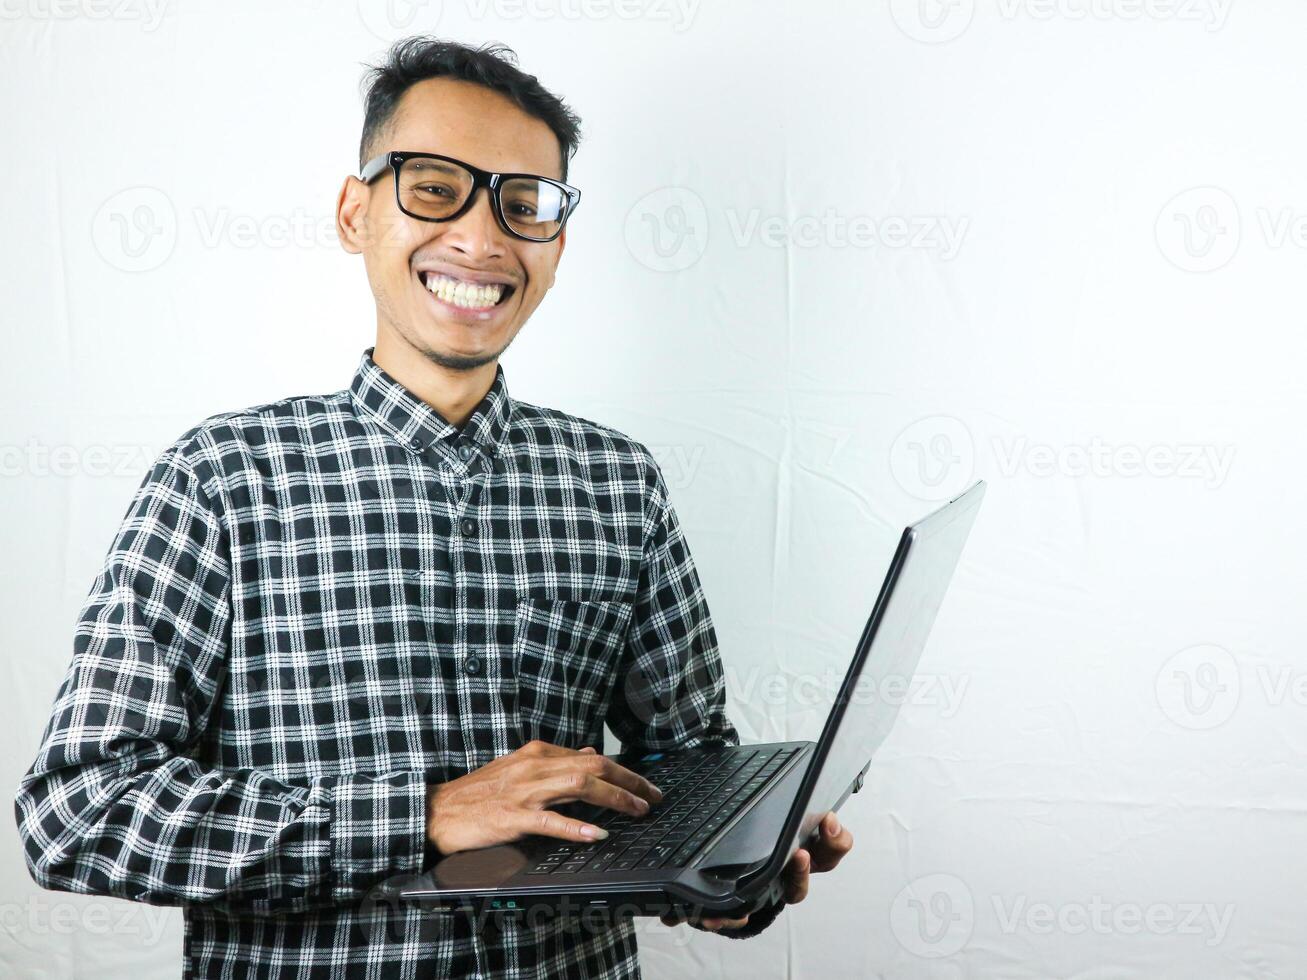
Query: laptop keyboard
<point x="700" y="795"/>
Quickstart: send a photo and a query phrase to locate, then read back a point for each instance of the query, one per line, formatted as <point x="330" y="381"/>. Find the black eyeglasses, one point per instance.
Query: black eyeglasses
<point x="431" y="187"/>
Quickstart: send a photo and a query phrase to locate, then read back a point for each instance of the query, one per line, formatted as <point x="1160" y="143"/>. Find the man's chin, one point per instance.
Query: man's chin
<point x="459" y="362"/>
<point x="451" y="358"/>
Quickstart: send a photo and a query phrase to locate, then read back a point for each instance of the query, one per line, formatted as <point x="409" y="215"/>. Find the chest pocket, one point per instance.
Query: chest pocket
<point x="565" y="658"/>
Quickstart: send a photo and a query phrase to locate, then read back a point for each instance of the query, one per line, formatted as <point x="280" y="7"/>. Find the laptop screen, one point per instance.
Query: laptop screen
<point x="890" y="647"/>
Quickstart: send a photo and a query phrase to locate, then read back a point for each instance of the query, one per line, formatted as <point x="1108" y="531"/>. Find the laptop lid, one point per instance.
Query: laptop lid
<point x="890" y="646"/>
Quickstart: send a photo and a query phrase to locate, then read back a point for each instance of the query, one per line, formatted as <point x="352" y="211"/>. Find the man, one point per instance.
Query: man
<point x="339" y="637"/>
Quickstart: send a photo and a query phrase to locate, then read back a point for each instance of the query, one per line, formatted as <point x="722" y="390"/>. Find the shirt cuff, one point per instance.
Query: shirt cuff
<point x="758" y="921"/>
<point x="378" y="831"/>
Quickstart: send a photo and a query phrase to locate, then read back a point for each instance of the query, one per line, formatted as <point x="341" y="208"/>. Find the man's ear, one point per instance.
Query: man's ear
<point x="352" y="215"/>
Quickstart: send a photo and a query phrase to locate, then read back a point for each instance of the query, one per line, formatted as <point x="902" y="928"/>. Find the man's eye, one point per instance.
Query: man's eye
<point x="434" y="189"/>
<point x="522" y="210"/>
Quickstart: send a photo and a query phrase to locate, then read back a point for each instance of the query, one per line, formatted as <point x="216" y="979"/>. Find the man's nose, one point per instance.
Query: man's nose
<point x="476" y="233"/>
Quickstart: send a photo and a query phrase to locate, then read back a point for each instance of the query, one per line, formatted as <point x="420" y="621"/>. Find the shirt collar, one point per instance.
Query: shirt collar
<point x="416" y="424"/>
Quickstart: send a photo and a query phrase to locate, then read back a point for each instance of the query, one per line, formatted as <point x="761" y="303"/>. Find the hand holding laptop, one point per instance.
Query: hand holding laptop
<point x="835" y="842"/>
<point x="509" y="798"/>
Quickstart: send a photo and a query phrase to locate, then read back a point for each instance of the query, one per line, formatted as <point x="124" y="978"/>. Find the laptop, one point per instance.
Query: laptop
<point x="730" y="817"/>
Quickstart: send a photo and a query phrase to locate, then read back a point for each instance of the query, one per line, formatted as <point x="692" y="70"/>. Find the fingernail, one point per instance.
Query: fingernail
<point x="642" y="804"/>
<point x="835" y="825"/>
<point x="596" y="833"/>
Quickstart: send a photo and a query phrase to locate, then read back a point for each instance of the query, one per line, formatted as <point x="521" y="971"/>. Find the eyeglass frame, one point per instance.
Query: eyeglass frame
<point x="394" y="159"/>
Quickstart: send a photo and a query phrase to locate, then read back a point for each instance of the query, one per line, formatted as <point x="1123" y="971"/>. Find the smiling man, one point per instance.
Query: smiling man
<point x="339" y="637"/>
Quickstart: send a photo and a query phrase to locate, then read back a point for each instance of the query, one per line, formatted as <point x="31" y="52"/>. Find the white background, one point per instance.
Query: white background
<point x="834" y="260"/>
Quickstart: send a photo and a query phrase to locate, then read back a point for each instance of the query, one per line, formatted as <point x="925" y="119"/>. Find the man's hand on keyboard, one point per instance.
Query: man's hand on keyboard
<point x="509" y="798"/>
<point x="834" y="842"/>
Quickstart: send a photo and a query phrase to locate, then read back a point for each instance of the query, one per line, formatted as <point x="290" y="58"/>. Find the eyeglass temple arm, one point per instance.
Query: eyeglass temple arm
<point x="374" y="167"/>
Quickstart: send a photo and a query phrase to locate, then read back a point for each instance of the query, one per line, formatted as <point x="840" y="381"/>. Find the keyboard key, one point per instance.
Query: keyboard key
<point x="602" y="862"/>
<point x="682" y="856"/>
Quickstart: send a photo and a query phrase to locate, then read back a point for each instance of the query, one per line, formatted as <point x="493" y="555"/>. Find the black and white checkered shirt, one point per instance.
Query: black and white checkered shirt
<point x="316" y="607"/>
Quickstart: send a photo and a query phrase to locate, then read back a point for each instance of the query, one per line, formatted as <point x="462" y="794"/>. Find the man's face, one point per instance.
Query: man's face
<point x="403" y="254"/>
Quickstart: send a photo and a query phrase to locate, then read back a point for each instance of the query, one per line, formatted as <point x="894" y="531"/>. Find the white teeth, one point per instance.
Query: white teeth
<point x="465" y="294"/>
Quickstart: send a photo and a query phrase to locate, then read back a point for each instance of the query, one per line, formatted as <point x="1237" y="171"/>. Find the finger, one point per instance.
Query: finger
<point x="836" y="841"/>
<point x="549" y="823"/>
<point x="612" y="772"/>
<point x="578" y="784"/>
<point x="796" y="881"/>
<point x="713" y="925"/>
<point x="588" y="748"/>
<point x="609" y="771"/>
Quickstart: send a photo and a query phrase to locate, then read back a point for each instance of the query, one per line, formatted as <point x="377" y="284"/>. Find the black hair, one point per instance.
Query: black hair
<point x="415" y="59"/>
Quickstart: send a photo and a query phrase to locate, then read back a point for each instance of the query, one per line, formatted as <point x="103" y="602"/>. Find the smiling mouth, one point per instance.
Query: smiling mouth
<point x="463" y="294"/>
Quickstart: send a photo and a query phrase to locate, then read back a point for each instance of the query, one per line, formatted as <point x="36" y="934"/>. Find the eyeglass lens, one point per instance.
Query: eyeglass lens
<point x="532" y="207"/>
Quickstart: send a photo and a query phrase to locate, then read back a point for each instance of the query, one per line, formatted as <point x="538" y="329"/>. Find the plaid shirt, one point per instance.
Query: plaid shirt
<point x="316" y="607"/>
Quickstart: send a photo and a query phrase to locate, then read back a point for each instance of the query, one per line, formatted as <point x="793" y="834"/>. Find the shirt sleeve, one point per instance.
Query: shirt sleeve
<point x="671" y="688"/>
<point x="670" y="692"/>
<point x="116" y="803"/>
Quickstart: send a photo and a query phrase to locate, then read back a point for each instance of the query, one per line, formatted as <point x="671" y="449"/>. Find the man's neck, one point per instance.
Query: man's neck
<point x="454" y="394"/>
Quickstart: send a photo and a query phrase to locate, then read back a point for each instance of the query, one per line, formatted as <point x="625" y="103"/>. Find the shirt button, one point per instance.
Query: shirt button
<point x="416" y="445"/>
<point x="468" y="526"/>
<point x="465" y="451"/>
<point x="472" y="665"/>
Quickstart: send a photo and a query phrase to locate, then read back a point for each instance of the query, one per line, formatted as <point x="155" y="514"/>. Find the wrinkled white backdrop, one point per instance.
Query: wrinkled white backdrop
<point x="834" y="260"/>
